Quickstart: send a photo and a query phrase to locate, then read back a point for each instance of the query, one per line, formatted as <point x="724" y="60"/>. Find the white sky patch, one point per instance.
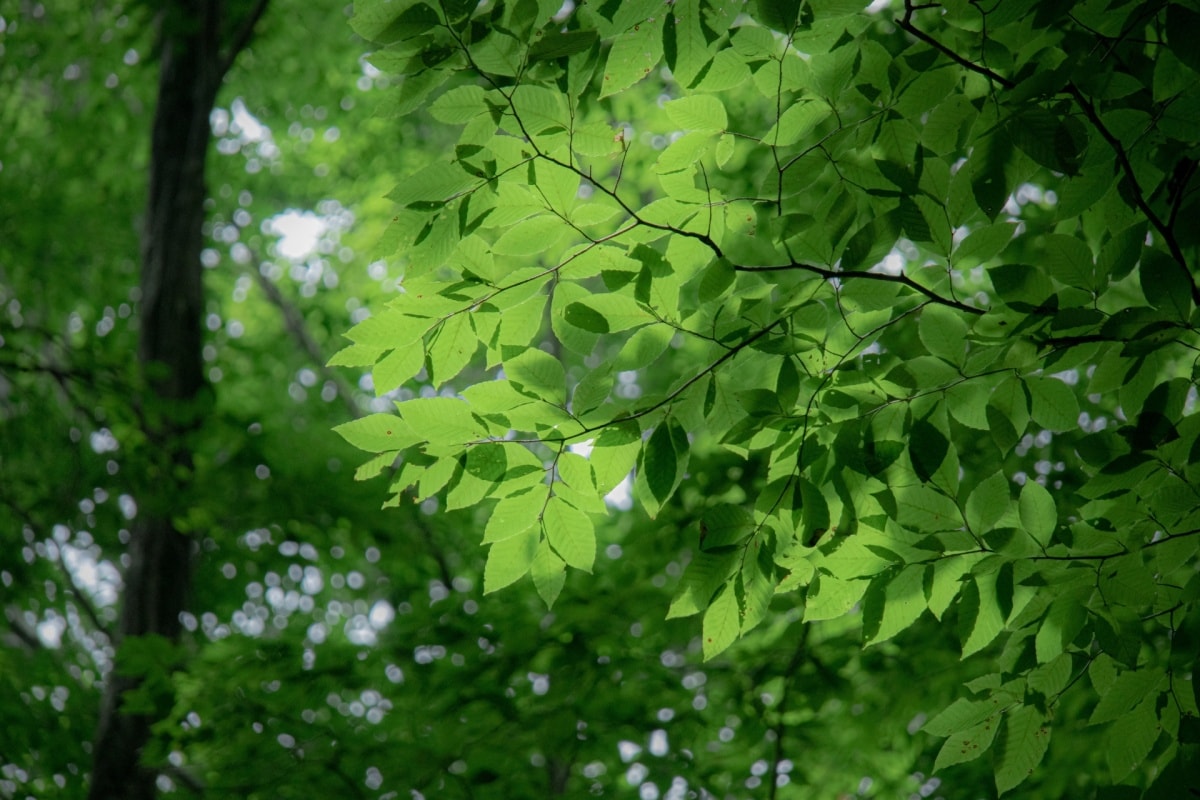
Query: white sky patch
<point x="892" y="264"/>
<point x="298" y="232"/>
<point x="621" y="497"/>
<point x="251" y="129"/>
<point x="877" y="6"/>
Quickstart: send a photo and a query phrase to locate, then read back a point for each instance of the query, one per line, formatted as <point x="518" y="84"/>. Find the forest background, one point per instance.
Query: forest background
<point x="889" y="312"/>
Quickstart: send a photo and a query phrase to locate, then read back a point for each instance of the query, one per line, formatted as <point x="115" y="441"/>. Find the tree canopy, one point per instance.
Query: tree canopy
<point x="925" y="274"/>
<point x="817" y="378"/>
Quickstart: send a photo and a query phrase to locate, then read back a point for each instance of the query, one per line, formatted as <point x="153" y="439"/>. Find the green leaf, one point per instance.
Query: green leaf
<point x="441" y="420"/>
<point x="796" y="122"/>
<point x="778" y="14"/>
<point x="633" y="56"/>
<point x="1052" y="404"/>
<point x="396" y="368"/>
<point x="509" y="560"/>
<point x="698" y="112"/>
<point x="538" y="373"/>
<point x="556" y="44"/>
<point x="459" y="105"/>
<point x="989" y="181"/>
<point x="1062" y="623"/>
<point x="1128" y="690"/>
<point x="979" y="618"/>
<point x="531" y="237"/>
<point x="1022" y="746"/>
<point x="983" y="244"/>
<point x="703" y="575"/>
<point x="378" y="433"/>
<point x="571" y="533"/>
<point x="894" y="601"/>
<point x="927" y="447"/>
<point x="660" y="463"/>
<point x="967" y="745"/>
<point x="585" y="318"/>
<point x="1166" y="285"/>
<point x="614" y="454"/>
<point x="389" y="329"/>
<point x="724" y="525"/>
<point x="961" y="715"/>
<point x="514" y="515"/>
<point x="721" y="623"/>
<point x="1039" y="516"/>
<point x="1131" y="739"/>
<point x="451" y="349"/>
<point x="591" y="392"/>
<point x="830" y="597"/>
<point x="1069" y="260"/>
<point x="549" y="573"/>
<point x="684" y="46"/>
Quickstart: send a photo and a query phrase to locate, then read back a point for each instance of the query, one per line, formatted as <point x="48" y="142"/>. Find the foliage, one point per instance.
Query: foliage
<point x="927" y="272"/>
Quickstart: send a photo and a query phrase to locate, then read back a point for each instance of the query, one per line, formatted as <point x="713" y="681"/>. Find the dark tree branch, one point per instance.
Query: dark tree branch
<point x="1139" y="196"/>
<point x="870" y="276"/>
<point x="905" y="23"/>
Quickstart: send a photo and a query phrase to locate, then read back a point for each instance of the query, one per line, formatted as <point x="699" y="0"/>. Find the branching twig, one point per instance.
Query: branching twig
<point x="876" y="276"/>
<point x="293" y="321"/>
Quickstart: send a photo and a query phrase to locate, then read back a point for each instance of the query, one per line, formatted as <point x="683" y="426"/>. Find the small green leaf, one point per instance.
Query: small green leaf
<point x="660" y="463"/>
<point x="397" y="367"/>
<point x="1128" y="690"/>
<point x="927" y="447"/>
<point x="1052" y="404"/>
<point x="961" y="715"/>
<point x="538" y="373"/>
<point x="1022" y="746"/>
<point x="894" y="601"/>
<point x="1131" y="739"/>
<point x="1038" y="514"/>
<point x="979" y="618"/>
<point x="698" y="112"/>
<point x="459" y="105"/>
<point x="724" y="525"/>
<point x="585" y="318"/>
<point x="441" y="419"/>
<point x="549" y="573"/>
<point x="721" y="623"/>
<point x="514" y="515"/>
<point x="966" y="745"/>
<point x="571" y="533"/>
<point x="378" y="433"/>
<point x="634" y="54"/>
<point x="509" y="560"/>
<point x="1062" y="623"/>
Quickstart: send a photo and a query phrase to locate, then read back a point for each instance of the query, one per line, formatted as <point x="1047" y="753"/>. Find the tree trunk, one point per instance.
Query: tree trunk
<point x="159" y="572"/>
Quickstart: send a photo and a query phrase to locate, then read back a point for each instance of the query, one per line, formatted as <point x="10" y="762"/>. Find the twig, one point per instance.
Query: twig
<point x="875" y="276"/>
<point x="293" y="321"/>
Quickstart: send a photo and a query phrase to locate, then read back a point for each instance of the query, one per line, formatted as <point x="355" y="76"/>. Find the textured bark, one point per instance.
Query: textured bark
<point x="159" y="572"/>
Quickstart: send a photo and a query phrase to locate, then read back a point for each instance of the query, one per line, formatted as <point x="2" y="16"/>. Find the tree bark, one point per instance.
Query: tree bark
<point x="158" y="575"/>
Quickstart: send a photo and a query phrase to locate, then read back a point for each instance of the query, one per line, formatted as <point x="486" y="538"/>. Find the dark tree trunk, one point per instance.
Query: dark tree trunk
<point x="159" y="572"/>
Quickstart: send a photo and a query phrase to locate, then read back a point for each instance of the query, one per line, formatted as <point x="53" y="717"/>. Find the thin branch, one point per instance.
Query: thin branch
<point x="296" y="327"/>
<point x="876" y="276"/>
<point x="905" y="23"/>
<point x="1139" y="198"/>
